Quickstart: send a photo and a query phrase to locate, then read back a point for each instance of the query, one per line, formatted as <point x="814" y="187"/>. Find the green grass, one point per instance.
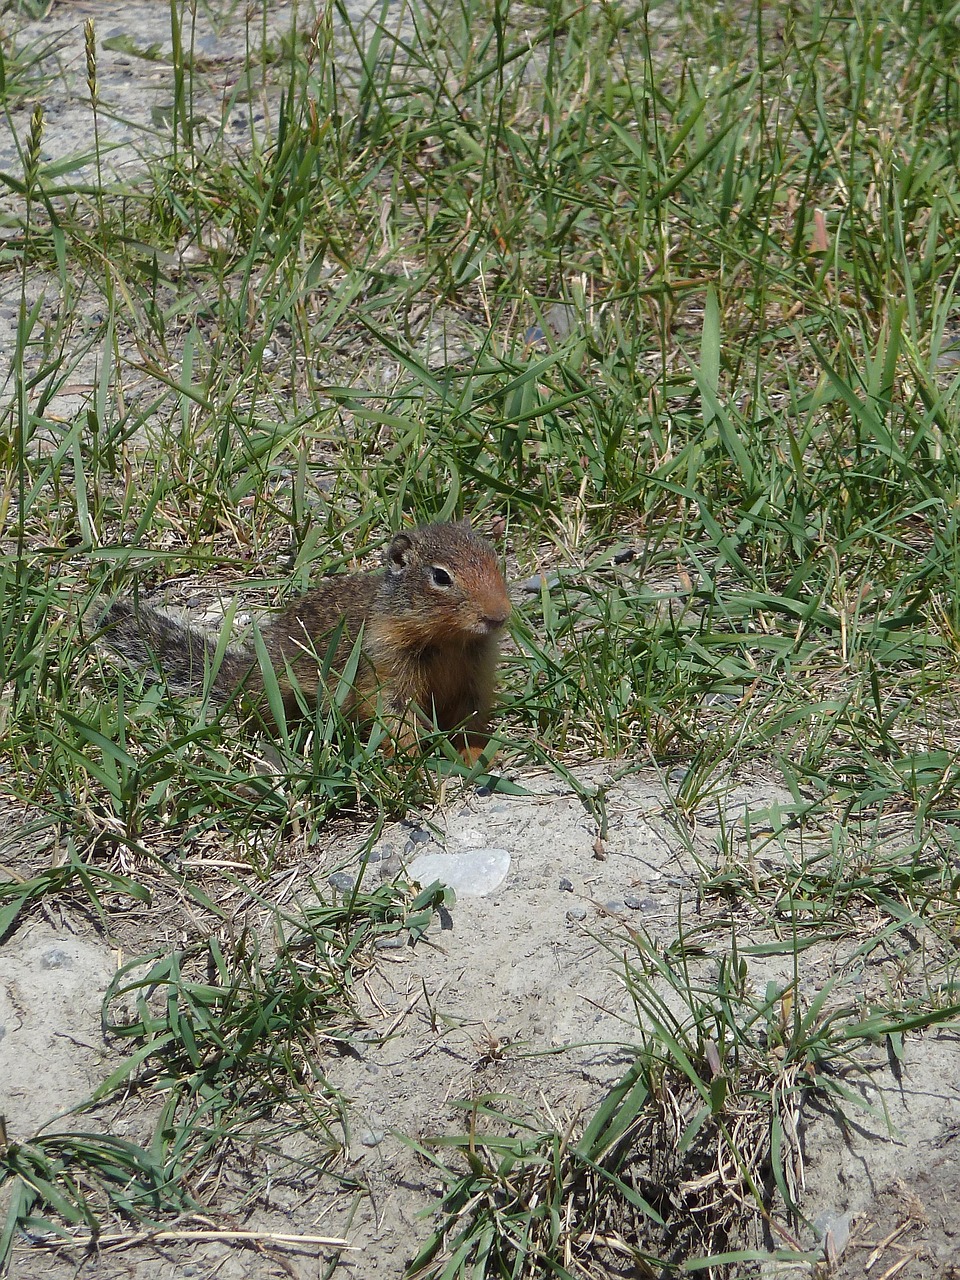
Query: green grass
<point x="677" y="281"/>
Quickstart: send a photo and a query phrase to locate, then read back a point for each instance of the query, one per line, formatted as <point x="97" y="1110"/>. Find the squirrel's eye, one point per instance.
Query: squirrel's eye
<point x="440" y="577"/>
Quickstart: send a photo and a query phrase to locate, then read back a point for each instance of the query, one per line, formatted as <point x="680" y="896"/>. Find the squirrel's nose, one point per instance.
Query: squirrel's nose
<point x="496" y="616"/>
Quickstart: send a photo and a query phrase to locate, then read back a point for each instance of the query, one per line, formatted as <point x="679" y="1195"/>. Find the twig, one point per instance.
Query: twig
<point x="898" y="1266"/>
<point x="120" y="1240"/>
<point x="885" y="1243"/>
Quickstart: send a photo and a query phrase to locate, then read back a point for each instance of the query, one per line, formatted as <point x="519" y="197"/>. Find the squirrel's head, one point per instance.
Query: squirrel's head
<point x="444" y="580"/>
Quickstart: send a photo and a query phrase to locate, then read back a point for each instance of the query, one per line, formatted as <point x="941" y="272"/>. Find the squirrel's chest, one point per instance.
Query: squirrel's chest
<point x="438" y="680"/>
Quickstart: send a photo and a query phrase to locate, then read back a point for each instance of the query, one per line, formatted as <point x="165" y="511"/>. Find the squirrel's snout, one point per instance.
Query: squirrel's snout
<point x="496" y="615"/>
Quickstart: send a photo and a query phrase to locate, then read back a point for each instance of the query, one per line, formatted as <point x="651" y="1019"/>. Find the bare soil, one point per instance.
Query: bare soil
<point x="509" y="994"/>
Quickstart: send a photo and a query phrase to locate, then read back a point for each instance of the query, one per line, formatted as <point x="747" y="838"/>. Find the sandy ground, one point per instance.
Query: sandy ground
<point x="519" y="992"/>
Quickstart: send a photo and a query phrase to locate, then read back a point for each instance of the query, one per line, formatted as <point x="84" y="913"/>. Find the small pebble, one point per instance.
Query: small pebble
<point x="566" y="886"/>
<point x="342" y="882"/>
<point x="533" y="586"/>
<point x="562" y="319"/>
<point x="577" y="913"/>
<point x="469" y="837"/>
<point x="372" y="1137"/>
<point x="56" y="958"/>
<point x="722" y="700"/>
<point x="838" y="1227"/>
<point x="633" y="902"/>
<point x="624" y="556"/>
<point x="420" y="836"/>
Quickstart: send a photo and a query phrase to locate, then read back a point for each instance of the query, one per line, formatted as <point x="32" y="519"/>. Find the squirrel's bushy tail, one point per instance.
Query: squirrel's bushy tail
<point x="147" y="638"/>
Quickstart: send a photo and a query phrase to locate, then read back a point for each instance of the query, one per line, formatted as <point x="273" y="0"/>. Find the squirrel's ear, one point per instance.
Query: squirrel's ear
<point x="398" y="554"/>
<point x="467" y="524"/>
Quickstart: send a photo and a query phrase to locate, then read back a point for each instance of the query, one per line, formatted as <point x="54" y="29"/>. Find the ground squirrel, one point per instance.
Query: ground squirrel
<point x="429" y="621"/>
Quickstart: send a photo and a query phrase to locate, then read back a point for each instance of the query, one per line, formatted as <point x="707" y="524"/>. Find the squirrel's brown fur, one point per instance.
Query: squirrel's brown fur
<point x="429" y="622"/>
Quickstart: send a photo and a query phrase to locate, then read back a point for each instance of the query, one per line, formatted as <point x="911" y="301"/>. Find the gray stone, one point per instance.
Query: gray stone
<point x="533" y="586"/>
<point x="647" y="905"/>
<point x="562" y="319"/>
<point x="342" y="882"/>
<point x="833" y="1229"/>
<point x="577" y="913"/>
<point x="473" y="873"/>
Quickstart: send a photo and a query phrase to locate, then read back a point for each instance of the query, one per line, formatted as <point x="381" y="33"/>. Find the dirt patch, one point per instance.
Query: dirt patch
<point x="51" y="1050"/>
<point x="912" y="1228"/>
<point x="518" y="994"/>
